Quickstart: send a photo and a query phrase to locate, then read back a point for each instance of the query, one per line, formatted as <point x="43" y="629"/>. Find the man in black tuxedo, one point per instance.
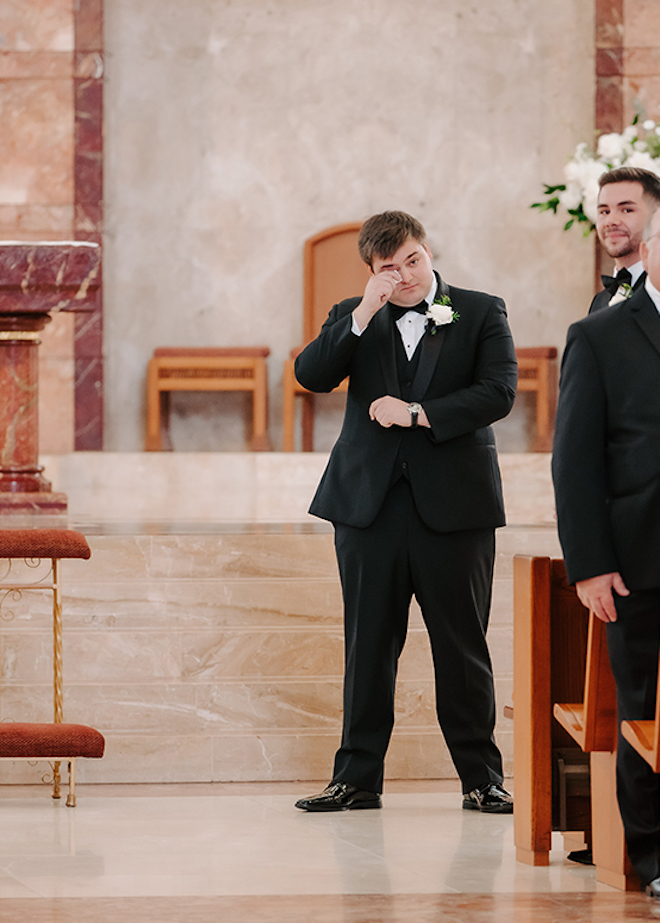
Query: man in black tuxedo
<point x="606" y="469"/>
<point x="625" y="196"/>
<point x="413" y="490"/>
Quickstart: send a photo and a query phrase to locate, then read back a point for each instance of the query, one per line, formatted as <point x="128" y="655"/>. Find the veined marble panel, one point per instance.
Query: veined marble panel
<point x="37" y="25"/>
<point x="214" y="650"/>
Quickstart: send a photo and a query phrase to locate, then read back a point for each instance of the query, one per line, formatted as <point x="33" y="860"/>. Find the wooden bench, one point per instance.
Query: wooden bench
<point x="644" y="735"/>
<point x="54" y="741"/>
<point x="206" y="369"/>
<point x="551" y="640"/>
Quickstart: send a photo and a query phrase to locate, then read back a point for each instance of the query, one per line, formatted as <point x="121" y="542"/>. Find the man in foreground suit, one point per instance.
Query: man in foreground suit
<point x="413" y="490"/>
<point x="606" y="469"/>
<point x="625" y="198"/>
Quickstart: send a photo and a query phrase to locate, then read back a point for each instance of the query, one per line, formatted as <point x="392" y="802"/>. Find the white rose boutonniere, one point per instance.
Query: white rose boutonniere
<point x="623" y="292"/>
<point x="440" y="313"/>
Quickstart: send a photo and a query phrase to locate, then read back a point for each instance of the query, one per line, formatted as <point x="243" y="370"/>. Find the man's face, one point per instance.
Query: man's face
<point x="651" y="251"/>
<point x="622" y="215"/>
<point x="413" y="263"/>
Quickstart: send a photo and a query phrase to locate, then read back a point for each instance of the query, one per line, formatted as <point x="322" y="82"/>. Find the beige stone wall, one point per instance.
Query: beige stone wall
<point x="236" y="130"/>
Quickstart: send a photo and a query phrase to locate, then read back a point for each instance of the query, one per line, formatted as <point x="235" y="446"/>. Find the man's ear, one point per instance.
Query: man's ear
<point x="428" y="249"/>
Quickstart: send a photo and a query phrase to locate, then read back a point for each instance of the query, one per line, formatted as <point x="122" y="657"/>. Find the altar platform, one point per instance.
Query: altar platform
<point x="204" y="636"/>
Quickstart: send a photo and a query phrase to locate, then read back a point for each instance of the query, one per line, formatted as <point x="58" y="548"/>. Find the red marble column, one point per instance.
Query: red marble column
<point x="88" y="215"/>
<point x="36" y="279"/>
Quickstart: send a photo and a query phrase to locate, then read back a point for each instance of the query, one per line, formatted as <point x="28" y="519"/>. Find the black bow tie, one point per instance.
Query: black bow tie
<point x="398" y="312"/>
<point x="612" y="283"/>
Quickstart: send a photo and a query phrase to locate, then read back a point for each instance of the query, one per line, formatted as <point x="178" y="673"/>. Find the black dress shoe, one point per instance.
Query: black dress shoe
<point x="489" y="799"/>
<point x="583" y="856"/>
<point x="340" y="796"/>
<point x="653" y="889"/>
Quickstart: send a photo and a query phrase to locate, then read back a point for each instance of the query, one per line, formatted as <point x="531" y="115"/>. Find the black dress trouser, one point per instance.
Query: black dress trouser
<point x="450" y="574"/>
<point x="633" y="642"/>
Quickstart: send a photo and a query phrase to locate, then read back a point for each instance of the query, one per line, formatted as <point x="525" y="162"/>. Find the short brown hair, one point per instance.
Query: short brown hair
<point x="649" y="182"/>
<point x="382" y="235"/>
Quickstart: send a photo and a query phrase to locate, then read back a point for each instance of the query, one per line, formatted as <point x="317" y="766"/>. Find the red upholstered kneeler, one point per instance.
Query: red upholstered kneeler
<point x="52" y="742"/>
<point x="56" y="741"/>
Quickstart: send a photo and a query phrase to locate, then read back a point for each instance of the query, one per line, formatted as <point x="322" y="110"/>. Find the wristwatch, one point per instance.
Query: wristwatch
<point x="414" y="410"/>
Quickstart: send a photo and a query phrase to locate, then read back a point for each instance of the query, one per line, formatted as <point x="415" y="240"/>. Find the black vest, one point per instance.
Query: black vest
<point x="406" y="371"/>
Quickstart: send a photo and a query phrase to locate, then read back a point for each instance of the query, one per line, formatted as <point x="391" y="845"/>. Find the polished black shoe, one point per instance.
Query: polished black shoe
<point x="489" y="799"/>
<point x="653" y="889"/>
<point x="583" y="856"/>
<point x="340" y="796"/>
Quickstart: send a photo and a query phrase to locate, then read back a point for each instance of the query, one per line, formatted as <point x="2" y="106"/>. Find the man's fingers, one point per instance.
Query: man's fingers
<point x="619" y="586"/>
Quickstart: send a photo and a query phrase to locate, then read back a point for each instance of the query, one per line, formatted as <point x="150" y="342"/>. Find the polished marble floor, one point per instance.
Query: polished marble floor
<point x="240" y="853"/>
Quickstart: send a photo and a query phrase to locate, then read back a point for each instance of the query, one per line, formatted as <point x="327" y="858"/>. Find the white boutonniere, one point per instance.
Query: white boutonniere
<point x="441" y="312"/>
<point x="623" y="292"/>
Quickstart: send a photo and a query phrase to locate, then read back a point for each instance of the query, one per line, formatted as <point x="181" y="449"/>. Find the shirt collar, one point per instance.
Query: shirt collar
<point x="635" y="271"/>
<point x="432" y="293"/>
<point x="653" y="293"/>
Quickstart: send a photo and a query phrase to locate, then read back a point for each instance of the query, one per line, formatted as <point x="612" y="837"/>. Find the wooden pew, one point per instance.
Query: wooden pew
<point x="551" y="640"/>
<point x="644" y="736"/>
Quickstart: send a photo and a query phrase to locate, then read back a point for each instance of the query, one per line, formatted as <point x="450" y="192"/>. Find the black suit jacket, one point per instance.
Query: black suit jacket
<point x="606" y="460"/>
<point x="466" y="379"/>
<point x="602" y="299"/>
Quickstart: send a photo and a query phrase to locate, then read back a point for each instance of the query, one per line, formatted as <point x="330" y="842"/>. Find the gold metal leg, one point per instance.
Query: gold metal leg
<point x="58" y="682"/>
<point x="71" y="799"/>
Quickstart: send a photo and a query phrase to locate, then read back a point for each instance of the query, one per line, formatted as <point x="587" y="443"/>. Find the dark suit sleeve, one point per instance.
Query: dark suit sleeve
<point x="579" y="463"/>
<point x="325" y="362"/>
<point x="492" y="391"/>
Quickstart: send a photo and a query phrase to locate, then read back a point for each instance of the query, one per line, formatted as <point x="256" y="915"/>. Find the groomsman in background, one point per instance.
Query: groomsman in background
<point x="624" y="200"/>
<point x="606" y="469"/>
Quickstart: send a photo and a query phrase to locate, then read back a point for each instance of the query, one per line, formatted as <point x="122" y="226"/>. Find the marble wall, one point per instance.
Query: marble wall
<point x="218" y="657"/>
<point x="627" y="61"/>
<point x="36" y="172"/>
<point x="235" y="131"/>
<point x="210" y="647"/>
<point x="51" y="69"/>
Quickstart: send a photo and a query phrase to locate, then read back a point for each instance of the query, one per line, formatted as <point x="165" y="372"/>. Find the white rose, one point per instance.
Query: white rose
<point x="440" y="314"/>
<point x="611" y="147"/>
<point x="648" y="125"/>
<point x="643" y="160"/>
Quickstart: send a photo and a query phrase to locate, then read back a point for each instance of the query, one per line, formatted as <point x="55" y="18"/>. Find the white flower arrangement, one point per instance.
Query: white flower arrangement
<point x="638" y="145"/>
<point x="441" y="312"/>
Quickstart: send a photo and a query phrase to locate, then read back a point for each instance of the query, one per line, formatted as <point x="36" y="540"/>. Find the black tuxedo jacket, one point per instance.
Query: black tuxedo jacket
<point x="606" y="460"/>
<point x="466" y="379"/>
<point x="602" y="299"/>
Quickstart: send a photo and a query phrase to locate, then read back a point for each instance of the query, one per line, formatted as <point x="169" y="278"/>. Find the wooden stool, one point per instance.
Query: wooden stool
<point x="206" y="369"/>
<point x="52" y="743"/>
<point x="537" y="371"/>
<point x="57" y="740"/>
